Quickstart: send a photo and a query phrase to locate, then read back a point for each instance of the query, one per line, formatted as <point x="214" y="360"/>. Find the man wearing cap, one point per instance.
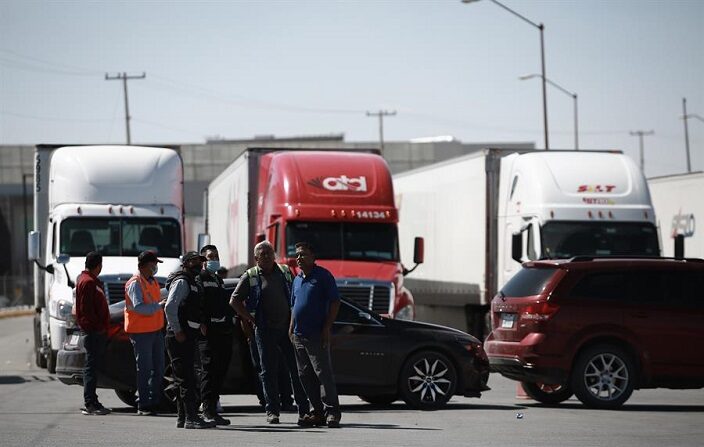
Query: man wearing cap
<point x="144" y="322"/>
<point x="184" y="318"/>
<point x="93" y="318"/>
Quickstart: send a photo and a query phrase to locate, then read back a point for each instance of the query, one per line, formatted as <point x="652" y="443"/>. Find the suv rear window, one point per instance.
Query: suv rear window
<point x="602" y="286"/>
<point x="528" y="282"/>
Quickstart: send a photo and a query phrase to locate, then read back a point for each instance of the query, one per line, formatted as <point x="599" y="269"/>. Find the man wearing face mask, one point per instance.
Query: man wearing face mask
<point x="215" y="342"/>
<point x="144" y="322"/>
<point x="184" y="318"/>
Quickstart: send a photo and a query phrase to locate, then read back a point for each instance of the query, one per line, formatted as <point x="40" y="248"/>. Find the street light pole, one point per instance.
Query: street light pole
<point x="567" y="92"/>
<point x="541" y="28"/>
<point x="640" y="134"/>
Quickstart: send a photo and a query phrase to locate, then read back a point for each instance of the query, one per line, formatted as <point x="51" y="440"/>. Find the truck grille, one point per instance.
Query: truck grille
<point x="374" y="297"/>
<point x="115" y="291"/>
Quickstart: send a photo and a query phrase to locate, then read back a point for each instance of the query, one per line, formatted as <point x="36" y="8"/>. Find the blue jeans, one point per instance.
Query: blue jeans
<point x="274" y="344"/>
<point x="149" y="354"/>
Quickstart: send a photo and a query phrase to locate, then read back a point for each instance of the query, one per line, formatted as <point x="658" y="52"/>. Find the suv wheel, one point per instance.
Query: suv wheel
<point x="428" y="380"/>
<point x="603" y="377"/>
<point x="128" y="397"/>
<point x="547" y="394"/>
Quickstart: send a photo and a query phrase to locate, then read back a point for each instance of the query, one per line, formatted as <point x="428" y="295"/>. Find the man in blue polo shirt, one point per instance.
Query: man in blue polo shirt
<point x="315" y="302"/>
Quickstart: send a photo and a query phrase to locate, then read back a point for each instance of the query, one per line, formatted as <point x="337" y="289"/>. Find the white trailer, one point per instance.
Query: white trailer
<point x="679" y="205"/>
<point x="484" y="213"/>
<point x="116" y="200"/>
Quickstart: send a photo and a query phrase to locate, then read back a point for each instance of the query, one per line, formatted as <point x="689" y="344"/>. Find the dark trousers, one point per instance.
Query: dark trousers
<point x="182" y="356"/>
<point x="274" y="345"/>
<point x="215" y="351"/>
<point x="149" y="354"/>
<point x="315" y="370"/>
<point x="94" y="344"/>
<point x="285" y="389"/>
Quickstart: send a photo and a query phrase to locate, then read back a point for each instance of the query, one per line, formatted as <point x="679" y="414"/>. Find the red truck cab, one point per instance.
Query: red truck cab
<point x="343" y="204"/>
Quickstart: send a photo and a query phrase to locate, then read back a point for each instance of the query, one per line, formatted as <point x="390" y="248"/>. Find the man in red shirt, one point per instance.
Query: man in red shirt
<point x="93" y="318"/>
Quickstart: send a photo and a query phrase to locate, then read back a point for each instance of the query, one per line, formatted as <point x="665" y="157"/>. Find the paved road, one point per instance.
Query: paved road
<point x="38" y="411"/>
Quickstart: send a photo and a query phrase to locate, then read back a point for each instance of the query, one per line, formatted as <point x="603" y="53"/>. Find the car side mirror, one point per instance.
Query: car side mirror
<point x="34" y="242"/>
<point x="365" y="316"/>
<point x="517" y="247"/>
<point x="418" y="250"/>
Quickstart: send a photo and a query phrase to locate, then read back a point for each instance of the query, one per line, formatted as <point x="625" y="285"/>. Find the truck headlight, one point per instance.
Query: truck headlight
<point x="61" y="310"/>
<point x="405" y="313"/>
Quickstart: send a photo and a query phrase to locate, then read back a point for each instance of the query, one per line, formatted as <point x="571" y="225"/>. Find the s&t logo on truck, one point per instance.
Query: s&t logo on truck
<point x="341" y="183"/>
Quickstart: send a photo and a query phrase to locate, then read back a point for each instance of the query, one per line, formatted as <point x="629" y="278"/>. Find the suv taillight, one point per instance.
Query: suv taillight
<point x="539" y="311"/>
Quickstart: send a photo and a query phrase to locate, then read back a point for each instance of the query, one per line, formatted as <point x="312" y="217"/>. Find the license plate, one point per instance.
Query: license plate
<point x="507" y="320"/>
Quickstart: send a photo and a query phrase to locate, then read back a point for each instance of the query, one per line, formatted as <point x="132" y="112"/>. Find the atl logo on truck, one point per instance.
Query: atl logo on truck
<point x="341" y="183"/>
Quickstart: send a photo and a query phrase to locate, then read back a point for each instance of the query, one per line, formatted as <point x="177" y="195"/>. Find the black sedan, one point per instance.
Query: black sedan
<point x="374" y="357"/>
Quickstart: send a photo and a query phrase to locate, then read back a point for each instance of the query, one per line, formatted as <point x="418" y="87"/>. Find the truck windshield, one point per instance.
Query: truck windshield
<point x="345" y="240"/>
<point x="568" y="239"/>
<point x="120" y="236"/>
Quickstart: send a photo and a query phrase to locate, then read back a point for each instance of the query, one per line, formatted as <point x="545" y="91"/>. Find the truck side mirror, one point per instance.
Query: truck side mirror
<point x="63" y="258"/>
<point x="203" y="240"/>
<point x="679" y="246"/>
<point x="517" y="247"/>
<point x="418" y="250"/>
<point x="34" y="240"/>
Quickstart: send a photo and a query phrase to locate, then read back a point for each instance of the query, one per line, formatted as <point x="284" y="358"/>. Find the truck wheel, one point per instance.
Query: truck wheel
<point x="51" y="361"/>
<point x="547" y="394"/>
<point x="428" y="380"/>
<point x="380" y="399"/>
<point x="129" y="397"/>
<point x="603" y="377"/>
<point x="39" y="359"/>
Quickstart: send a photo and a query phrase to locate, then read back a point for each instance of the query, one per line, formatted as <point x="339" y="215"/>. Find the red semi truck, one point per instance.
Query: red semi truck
<point x="342" y="202"/>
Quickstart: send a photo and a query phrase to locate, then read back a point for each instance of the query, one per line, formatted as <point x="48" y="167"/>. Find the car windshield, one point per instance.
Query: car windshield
<point x="568" y="239"/>
<point x="120" y="236"/>
<point x="345" y="240"/>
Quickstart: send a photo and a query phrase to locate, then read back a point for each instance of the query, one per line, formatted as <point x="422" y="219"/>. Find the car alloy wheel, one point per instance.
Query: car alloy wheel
<point x="603" y="377"/>
<point x="428" y="380"/>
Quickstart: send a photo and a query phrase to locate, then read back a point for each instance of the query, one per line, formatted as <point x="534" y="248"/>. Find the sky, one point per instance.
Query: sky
<point x="239" y="69"/>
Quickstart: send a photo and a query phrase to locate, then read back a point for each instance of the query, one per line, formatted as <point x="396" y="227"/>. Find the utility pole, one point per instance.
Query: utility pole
<point x="124" y="77"/>
<point x="381" y="114"/>
<point x="640" y="134"/>
<point x="686" y="133"/>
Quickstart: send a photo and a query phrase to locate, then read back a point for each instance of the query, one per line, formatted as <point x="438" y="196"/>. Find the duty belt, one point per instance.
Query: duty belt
<point x="193" y="324"/>
<point x="218" y="320"/>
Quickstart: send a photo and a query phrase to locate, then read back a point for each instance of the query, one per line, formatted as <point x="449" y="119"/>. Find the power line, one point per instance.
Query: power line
<point x="51" y="118"/>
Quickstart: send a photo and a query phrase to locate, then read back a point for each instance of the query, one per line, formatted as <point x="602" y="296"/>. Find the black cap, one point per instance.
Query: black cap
<point x="189" y="255"/>
<point x="147" y="256"/>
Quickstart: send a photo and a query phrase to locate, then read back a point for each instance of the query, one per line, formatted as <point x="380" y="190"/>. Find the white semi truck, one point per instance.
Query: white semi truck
<point x="482" y="214"/>
<point x="679" y="206"/>
<point x="116" y="200"/>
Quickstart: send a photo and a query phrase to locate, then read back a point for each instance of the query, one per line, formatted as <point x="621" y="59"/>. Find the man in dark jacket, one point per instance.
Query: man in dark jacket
<point x="93" y="318"/>
<point x="184" y="317"/>
<point x="215" y="342"/>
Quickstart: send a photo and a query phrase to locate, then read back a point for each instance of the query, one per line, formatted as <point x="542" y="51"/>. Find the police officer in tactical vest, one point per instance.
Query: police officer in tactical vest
<point x="184" y="317"/>
<point x="262" y="299"/>
<point x="215" y="342"/>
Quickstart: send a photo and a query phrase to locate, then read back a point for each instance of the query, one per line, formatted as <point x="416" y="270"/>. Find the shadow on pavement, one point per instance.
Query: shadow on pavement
<point x="11" y="380"/>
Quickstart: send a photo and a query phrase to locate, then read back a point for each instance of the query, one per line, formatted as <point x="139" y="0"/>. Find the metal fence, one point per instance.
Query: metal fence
<point x="16" y="290"/>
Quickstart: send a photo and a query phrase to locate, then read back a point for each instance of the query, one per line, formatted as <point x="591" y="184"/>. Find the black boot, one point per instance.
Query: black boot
<point x="210" y="413"/>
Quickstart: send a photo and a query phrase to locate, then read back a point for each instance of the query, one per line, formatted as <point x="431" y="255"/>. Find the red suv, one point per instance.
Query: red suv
<point x="600" y="328"/>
